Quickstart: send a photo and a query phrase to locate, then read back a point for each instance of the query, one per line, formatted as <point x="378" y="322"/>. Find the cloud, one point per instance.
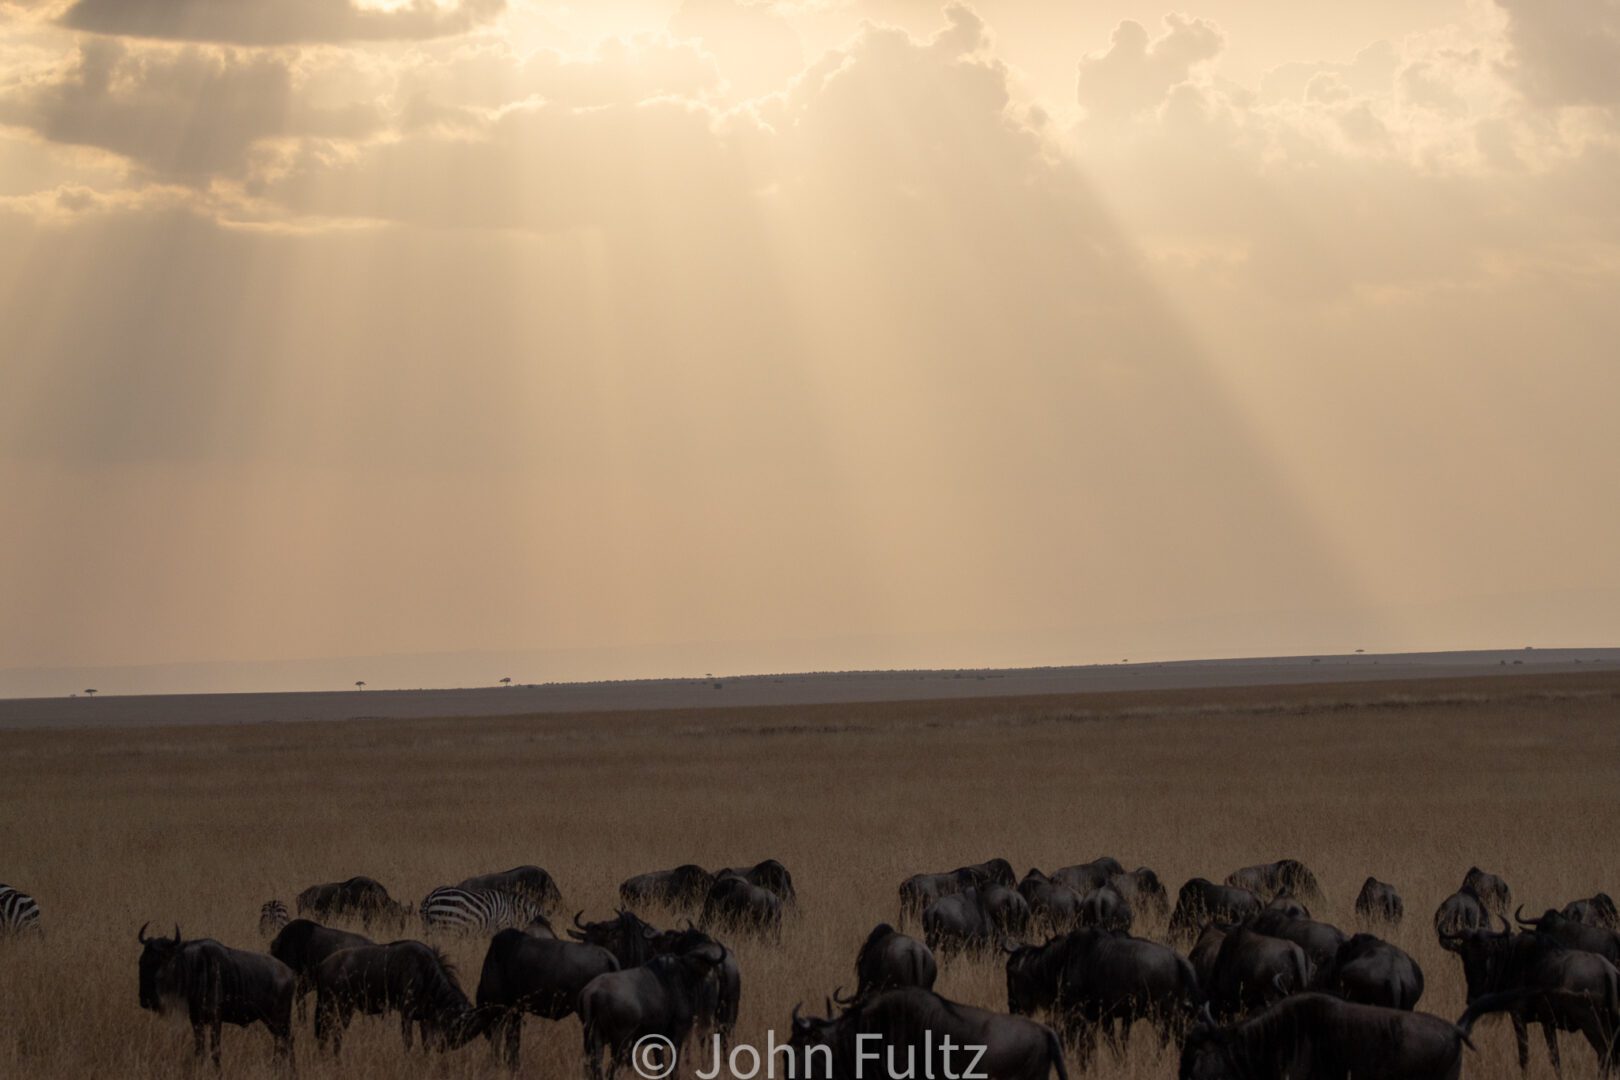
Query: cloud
<point x="1136" y="71"/>
<point x="279" y="22"/>
<point x="186" y="112"/>
<point x="1565" y="52"/>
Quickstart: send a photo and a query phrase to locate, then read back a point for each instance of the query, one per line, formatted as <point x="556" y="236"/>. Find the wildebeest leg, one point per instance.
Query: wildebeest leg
<point x="593" y="1054"/>
<point x="1551" y="1032"/>
<point x="1122" y="1037"/>
<point x="510" y="1037"/>
<point x="1085" y="1043"/>
<point x="405" y="1022"/>
<point x="198" y="1043"/>
<point x="215" y="1029"/>
<point x="1521" y="1035"/>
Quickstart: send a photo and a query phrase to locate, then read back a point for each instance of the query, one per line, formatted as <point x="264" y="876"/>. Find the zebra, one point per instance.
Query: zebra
<point x="19" y="912"/>
<point x="272" y="917"/>
<point x="479" y="910"/>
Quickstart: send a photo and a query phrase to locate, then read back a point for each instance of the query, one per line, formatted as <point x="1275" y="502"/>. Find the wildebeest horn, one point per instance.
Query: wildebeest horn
<point x="140" y="935"/>
<point x="1518" y="916"/>
<point x="839" y="998"/>
<point x="577" y="914"/>
<point x="1205" y="1016"/>
<point x="796" y="1007"/>
<point x="177" y="933"/>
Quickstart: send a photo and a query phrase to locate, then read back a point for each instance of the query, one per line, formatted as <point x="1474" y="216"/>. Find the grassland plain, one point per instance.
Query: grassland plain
<point x="1412" y="782"/>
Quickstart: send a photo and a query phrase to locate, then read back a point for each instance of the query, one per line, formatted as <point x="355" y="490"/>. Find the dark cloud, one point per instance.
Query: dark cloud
<point x="277" y="22"/>
<point x="184" y="114"/>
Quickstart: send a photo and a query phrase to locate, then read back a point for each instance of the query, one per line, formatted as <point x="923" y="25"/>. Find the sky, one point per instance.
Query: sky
<point x="831" y="333"/>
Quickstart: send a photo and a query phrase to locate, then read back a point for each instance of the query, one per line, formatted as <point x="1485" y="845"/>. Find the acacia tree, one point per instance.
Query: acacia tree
<point x="360" y="684"/>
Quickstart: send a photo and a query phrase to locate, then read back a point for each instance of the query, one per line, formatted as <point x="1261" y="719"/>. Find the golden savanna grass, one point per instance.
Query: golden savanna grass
<point x="1410" y="781"/>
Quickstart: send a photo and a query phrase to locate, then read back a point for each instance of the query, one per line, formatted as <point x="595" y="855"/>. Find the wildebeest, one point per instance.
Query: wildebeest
<point x="1143" y="890"/>
<point x="633" y="942"/>
<point x="742" y="906"/>
<point x="1371" y="971"/>
<point x="19" y="912"/>
<point x="661" y="997"/>
<point x="1266" y="880"/>
<point x="974" y="919"/>
<point x="1252" y="970"/>
<point x="684" y="886"/>
<point x="405" y="977"/>
<point x="303" y="944"/>
<point x="1320" y="940"/>
<point x="1379" y="902"/>
<point x="1050" y="904"/>
<point x="1459" y="913"/>
<point x="360" y="897"/>
<point x="1083" y="877"/>
<point x="1206" y="950"/>
<point x="1093" y="979"/>
<point x="766" y="874"/>
<point x="889" y="960"/>
<point x="272" y="917"/>
<point x="1492" y="891"/>
<point x="529" y="882"/>
<point x="1104" y="907"/>
<point x="543" y="976"/>
<point x="920" y="890"/>
<point x="218" y="986"/>
<point x="1201" y="901"/>
<point x="1572" y="934"/>
<point x="1318" y="1037"/>
<point x="912" y="1025"/>
<point x="1557" y="987"/>
<point x="1596" y="910"/>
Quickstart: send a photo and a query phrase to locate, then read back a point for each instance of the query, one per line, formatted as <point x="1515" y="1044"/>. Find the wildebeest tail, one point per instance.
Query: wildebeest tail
<point x="1054" y="1046"/>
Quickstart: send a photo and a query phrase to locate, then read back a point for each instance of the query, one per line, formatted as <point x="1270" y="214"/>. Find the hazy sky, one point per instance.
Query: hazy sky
<point x="880" y="331"/>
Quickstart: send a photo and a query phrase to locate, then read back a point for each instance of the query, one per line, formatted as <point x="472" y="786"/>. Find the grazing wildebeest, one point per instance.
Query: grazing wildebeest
<point x="1266" y="880"/>
<point x="767" y="874"/>
<point x="1050" y="904"/>
<point x="1557" y="1010"/>
<point x="1252" y="970"/>
<point x="528" y="882"/>
<point x="1459" y="913"/>
<point x="543" y="976"/>
<point x="889" y="960"/>
<point x="1573" y="934"/>
<point x="1201" y="901"/>
<point x="358" y="896"/>
<point x="479" y="911"/>
<point x="740" y="905"/>
<point x="272" y="917"/>
<point x="1550" y="980"/>
<point x="911" y="1025"/>
<point x="1083" y="877"/>
<point x="1378" y="901"/>
<point x="303" y="944"/>
<point x="684" y="886"/>
<point x="1596" y="910"/>
<point x="920" y="890"/>
<point x="661" y="997"/>
<point x="1143" y="890"/>
<point x="627" y="936"/>
<point x="634" y="942"/>
<point x="1104" y="907"/>
<point x="218" y="986"/>
<point x="19" y="912"/>
<point x="1318" y="1037"/>
<point x="404" y="977"/>
<point x="1288" y="905"/>
<point x="1320" y="940"/>
<point x="1370" y="971"/>
<point x="1093" y="980"/>
<point x="974" y="919"/>
<point x="1492" y="891"/>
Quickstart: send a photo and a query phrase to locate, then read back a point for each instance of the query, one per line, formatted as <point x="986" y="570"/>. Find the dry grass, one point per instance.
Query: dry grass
<point x="1411" y="782"/>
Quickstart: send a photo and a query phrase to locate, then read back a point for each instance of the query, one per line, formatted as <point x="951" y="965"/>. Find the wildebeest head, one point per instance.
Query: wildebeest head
<point x="1484" y="955"/>
<point x="626" y="936"/>
<point x="1033" y="973"/>
<point x="159" y="956"/>
<point x="1206" y="1054"/>
<point x="811" y="1031"/>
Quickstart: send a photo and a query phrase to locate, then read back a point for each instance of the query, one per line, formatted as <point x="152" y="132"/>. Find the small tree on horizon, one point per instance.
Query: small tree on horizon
<point x="360" y="684"/>
<point x="507" y="681"/>
<point x="90" y="692"/>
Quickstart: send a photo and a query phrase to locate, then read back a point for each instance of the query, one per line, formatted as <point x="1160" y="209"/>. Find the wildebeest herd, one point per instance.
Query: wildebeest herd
<point x="1262" y="990"/>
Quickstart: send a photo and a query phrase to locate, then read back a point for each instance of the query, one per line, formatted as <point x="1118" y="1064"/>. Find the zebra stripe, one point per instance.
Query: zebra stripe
<point x="477" y="910"/>
<point x="18" y="911"/>
<point x="272" y="917"/>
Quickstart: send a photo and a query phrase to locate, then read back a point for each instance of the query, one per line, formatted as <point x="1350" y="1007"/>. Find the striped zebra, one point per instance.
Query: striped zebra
<point x="272" y="917"/>
<point x="19" y="912"/>
<point x="470" y="911"/>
